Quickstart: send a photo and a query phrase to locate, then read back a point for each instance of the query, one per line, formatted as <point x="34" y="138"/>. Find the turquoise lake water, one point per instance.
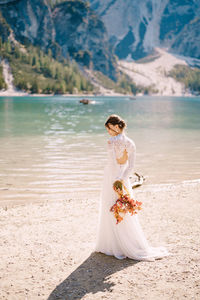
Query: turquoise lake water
<point x="51" y="146"/>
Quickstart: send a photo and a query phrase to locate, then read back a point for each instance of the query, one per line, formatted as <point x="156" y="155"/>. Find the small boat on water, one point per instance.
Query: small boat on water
<point x="87" y="101"/>
<point x="132" y="98"/>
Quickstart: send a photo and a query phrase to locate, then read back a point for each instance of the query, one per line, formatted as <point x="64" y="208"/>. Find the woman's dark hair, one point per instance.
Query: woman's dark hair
<point x="115" y="120"/>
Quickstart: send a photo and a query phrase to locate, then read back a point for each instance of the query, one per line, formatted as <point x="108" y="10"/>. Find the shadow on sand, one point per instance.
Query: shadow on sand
<point x="91" y="276"/>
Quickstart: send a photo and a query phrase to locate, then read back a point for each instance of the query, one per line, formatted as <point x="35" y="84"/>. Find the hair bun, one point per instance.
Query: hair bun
<point x="115" y="120"/>
<point x="121" y="124"/>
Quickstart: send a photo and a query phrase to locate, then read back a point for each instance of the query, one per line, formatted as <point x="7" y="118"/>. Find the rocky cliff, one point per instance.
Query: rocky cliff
<point x="30" y="21"/>
<point x="137" y="27"/>
<point x="91" y="33"/>
<point x="83" y="36"/>
<point x="71" y="27"/>
<point x="188" y="41"/>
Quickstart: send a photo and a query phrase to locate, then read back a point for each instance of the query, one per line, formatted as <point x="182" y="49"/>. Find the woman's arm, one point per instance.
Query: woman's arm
<point x="124" y="174"/>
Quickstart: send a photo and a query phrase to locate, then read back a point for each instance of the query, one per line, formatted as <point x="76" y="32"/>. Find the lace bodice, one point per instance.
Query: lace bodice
<point x="116" y="147"/>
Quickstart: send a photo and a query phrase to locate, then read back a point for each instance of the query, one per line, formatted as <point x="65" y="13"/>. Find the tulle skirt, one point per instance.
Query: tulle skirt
<point x="125" y="239"/>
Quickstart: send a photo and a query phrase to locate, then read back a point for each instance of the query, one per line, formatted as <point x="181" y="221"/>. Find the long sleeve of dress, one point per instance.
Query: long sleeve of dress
<point x="131" y="149"/>
<point x="125" y="171"/>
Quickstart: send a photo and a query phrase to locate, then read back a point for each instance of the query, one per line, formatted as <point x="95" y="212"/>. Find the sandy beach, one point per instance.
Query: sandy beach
<point x="47" y="249"/>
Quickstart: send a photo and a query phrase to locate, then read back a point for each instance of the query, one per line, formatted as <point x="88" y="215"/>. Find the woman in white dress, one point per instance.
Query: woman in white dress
<point x="125" y="239"/>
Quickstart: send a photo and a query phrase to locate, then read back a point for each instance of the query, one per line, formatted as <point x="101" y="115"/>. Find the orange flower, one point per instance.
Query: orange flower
<point x="124" y="204"/>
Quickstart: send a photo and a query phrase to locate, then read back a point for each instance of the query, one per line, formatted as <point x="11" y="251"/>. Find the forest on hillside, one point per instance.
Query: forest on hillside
<point x="37" y="72"/>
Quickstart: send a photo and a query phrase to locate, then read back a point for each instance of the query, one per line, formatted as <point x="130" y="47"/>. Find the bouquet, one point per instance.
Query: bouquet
<point x="124" y="203"/>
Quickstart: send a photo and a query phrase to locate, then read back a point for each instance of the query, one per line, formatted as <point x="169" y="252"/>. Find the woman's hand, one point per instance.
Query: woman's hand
<point x="118" y="187"/>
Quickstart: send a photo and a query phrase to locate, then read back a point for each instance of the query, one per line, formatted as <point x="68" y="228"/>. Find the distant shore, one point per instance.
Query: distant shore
<point x="107" y="94"/>
<point x="47" y="249"/>
<point x="21" y="94"/>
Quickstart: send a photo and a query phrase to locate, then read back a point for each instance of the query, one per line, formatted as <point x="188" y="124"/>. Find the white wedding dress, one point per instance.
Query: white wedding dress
<point x="125" y="239"/>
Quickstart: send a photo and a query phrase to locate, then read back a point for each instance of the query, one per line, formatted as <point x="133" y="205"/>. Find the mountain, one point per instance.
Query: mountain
<point x="188" y="41"/>
<point x="70" y="28"/>
<point x="30" y="21"/>
<point x="82" y="35"/>
<point x="135" y="28"/>
<point x="127" y="41"/>
<point x="90" y="34"/>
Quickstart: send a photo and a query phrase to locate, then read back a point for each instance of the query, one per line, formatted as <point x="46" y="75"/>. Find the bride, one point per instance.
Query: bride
<point x="127" y="238"/>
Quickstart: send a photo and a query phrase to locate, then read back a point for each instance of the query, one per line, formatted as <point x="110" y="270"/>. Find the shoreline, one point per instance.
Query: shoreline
<point x="47" y="250"/>
<point x="6" y="204"/>
<point x="109" y="94"/>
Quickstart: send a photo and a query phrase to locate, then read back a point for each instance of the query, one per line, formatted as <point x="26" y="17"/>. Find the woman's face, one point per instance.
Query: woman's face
<point x="113" y="129"/>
